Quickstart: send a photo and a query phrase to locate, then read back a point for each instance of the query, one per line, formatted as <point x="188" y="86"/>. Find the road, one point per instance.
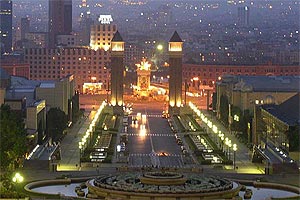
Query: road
<point x="148" y="139"/>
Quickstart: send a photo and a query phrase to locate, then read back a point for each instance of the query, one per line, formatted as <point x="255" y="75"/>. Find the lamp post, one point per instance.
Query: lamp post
<point x="80" y="147"/>
<point x="222" y="141"/>
<point x="229" y="146"/>
<point x="234" y="148"/>
<point x="226" y="143"/>
<point x="219" y="142"/>
<point x="18" y="178"/>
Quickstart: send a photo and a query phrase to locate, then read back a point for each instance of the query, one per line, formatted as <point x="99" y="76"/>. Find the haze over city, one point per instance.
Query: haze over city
<point x="149" y="99"/>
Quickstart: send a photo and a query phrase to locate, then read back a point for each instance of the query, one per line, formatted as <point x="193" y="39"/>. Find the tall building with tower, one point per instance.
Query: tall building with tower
<point x="85" y="23"/>
<point x="117" y="70"/>
<point x="60" y="19"/>
<point x="175" y="81"/>
<point x="243" y="16"/>
<point x="6" y="25"/>
<point x="102" y="33"/>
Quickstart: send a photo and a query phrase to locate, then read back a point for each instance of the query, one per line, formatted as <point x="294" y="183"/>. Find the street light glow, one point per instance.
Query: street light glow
<point x="18" y="178"/>
<point x="234" y="147"/>
<point x="159" y="47"/>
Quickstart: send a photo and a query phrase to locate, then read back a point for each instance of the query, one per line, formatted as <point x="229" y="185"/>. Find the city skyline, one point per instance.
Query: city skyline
<point x="151" y="99"/>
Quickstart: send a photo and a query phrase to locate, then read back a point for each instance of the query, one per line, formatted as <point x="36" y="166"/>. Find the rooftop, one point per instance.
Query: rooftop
<point x="117" y="37"/>
<point x="175" y="38"/>
<point x="288" y="111"/>
<point x="264" y="83"/>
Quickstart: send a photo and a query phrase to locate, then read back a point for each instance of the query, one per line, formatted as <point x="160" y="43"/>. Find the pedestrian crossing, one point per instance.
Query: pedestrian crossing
<point x="154" y="160"/>
<point x="154" y="115"/>
<point x="153" y="134"/>
<point x="149" y="115"/>
<point x="151" y="155"/>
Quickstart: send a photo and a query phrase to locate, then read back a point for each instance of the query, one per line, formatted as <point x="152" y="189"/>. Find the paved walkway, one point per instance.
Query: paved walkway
<point x="243" y="154"/>
<point x="70" y="144"/>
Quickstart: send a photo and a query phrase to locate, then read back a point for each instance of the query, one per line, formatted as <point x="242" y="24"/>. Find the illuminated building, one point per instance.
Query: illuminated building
<point x="274" y="131"/>
<point x="117" y="70"/>
<point x="246" y="92"/>
<point x="60" y="19"/>
<point x="207" y="75"/>
<point x="143" y="78"/>
<point x="6" y="25"/>
<point x="102" y="33"/>
<point x="36" y="122"/>
<point x="175" y="81"/>
<point x="87" y="65"/>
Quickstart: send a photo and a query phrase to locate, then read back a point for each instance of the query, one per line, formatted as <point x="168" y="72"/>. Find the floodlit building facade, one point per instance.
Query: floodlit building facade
<point x="87" y="65"/>
<point x="102" y="33"/>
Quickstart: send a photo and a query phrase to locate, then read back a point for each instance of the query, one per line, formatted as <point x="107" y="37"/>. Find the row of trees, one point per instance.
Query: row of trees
<point x="244" y="118"/>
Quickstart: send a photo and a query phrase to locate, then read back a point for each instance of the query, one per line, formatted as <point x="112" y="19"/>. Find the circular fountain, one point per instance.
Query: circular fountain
<point x="162" y="184"/>
<point x="158" y="185"/>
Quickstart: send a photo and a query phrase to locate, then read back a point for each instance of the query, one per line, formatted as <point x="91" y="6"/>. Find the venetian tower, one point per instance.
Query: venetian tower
<point x="175" y="81"/>
<point x="117" y="69"/>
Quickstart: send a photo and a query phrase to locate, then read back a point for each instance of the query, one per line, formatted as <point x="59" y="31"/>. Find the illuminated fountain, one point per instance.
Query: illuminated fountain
<point x="143" y="70"/>
<point x="152" y="185"/>
<point x="159" y="185"/>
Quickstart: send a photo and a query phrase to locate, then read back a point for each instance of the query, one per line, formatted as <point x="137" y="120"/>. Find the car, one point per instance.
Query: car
<point x="163" y="154"/>
<point x="182" y="148"/>
<point x="122" y="148"/>
<point x="179" y="141"/>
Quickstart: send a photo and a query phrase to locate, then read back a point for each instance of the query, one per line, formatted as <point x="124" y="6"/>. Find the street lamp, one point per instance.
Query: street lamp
<point x="229" y="146"/>
<point x="160" y="47"/>
<point x="18" y="178"/>
<point x="234" y="148"/>
<point x="236" y="118"/>
<point x="222" y="141"/>
<point x="80" y="147"/>
<point x="226" y="143"/>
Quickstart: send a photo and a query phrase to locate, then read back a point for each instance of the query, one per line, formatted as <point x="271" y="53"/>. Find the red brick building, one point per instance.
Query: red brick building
<point x="208" y="74"/>
<point x="17" y="69"/>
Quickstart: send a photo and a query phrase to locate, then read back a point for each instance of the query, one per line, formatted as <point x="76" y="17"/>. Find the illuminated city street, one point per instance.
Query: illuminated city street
<point x="148" y="99"/>
<point x="152" y="144"/>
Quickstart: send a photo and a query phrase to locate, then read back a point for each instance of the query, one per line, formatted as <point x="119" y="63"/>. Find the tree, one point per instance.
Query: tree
<point x="13" y="137"/>
<point x="75" y="107"/>
<point x="236" y="125"/>
<point x="224" y="109"/>
<point x="56" y="123"/>
<point x="293" y="137"/>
